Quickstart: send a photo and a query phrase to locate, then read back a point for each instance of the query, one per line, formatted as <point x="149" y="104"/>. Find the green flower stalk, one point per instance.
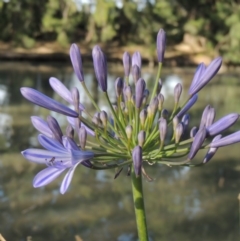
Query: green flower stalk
<point x="136" y="131"/>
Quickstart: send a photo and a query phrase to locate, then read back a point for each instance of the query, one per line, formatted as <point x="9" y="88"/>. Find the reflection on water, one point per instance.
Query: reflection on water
<point x="182" y="204"/>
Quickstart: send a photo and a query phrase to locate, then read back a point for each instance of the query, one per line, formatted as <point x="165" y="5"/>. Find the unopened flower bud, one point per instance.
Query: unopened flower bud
<point x="153" y="106"/>
<point x="204" y="116"/>
<point x="175" y="122"/>
<point x="136" y="73"/>
<point x="126" y="63"/>
<point x="178" y="132"/>
<point x="137" y="59"/>
<point x="137" y="159"/>
<point x="161" y="44"/>
<point x="162" y="129"/>
<point x="119" y="86"/>
<point x="104" y="118"/>
<point x="177" y="92"/>
<point x="165" y="114"/>
<point x="143" y="117"/>
<point x="100" y="67"/>
<point x="128" y="92"/>
<point x="140" y="87"/>
<point x="141" y="138"/>
<point x="96" y="121"/>
<point x="82" y="135"/>
<point x="122" y="105"/>
<point x="129" y="130"/>
<point x="160" y="101"/>
<point x="75" y="56"/>
<point x="210" y="117"/>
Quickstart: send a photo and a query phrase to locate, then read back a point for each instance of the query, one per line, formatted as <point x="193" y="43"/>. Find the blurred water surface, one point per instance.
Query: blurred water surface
<point x="182" y="204"/>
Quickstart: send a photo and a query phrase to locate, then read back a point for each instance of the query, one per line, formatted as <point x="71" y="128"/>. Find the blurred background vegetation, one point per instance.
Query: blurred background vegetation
<point x="209" y="27"/>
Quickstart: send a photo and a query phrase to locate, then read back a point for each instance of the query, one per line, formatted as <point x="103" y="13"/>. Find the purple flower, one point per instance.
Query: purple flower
<point x="100" y="67"/>
<point x="177" y="92"/>
<point x="75" y="56"/>
<point x="227" y="140"/>
<point x="137" y="159"/>
<point x="136" y="73"/>
<point x="63" y="91"/>
<point x="119" y="86"/>
<point x="126" y="63"/>
<point x="161" y="45"/>
<point x="40" y="99"/>
<point x="206" y="76"/>
<point x="162" y="129"/>
<point x="57" y="158"/>
<point x="222" y="124"/>
<point x="197" y="142"/>
<point x="189" y="104"/>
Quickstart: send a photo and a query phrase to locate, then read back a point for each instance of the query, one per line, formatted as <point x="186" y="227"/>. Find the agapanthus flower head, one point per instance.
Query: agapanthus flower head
<point x="138" y="128"/>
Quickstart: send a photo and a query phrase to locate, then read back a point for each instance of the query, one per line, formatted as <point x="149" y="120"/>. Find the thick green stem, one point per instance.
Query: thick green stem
<point x="139" y="206"/>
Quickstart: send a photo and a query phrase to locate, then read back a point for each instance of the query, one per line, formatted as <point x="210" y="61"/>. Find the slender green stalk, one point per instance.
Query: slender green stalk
<point x="139" y="206"/>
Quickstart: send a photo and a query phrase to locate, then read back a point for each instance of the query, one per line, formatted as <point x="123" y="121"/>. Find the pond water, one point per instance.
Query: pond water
<point x="182" y="204"/>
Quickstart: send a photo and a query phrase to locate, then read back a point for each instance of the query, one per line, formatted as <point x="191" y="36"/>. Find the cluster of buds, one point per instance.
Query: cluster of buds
<point x="136" y="129"/>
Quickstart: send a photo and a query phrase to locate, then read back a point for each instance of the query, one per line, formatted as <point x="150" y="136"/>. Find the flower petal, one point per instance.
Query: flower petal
<point x="51" y="144"/>
<point x="67" y="179"/>
<point x="41" y="125"/>
<point x="44" y="157"/>
<point x="46" y="176"/>
<point x="40" y="99"/>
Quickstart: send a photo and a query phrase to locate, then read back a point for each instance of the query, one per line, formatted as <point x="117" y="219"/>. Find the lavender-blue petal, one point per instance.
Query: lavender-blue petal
<point x="208" y="74"/>
<point x="227" y="140"/>
<point x="51" y="144"/>
<point x="40" y="99"/>
<point x="63" y="91"/>
<point x="197" y="142"/>
<point x="222" y="124"/>
<point x="189" y="104"/>
<point x="140" y="87"/>
<point x="212" y="150"/>
<point x="41" y="125"/>
<point x="67" y="179"/>
<point x="44" y="156"/>
<point x="46" y="176"/>
<point x="55" y="128"/>
<point x="197" y="76"/>
<point x="75" y="56"/>
<point x="69" y="143"/>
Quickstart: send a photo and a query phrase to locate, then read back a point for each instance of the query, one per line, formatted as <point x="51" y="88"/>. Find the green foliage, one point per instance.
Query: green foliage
<point x="25" y="22"/>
